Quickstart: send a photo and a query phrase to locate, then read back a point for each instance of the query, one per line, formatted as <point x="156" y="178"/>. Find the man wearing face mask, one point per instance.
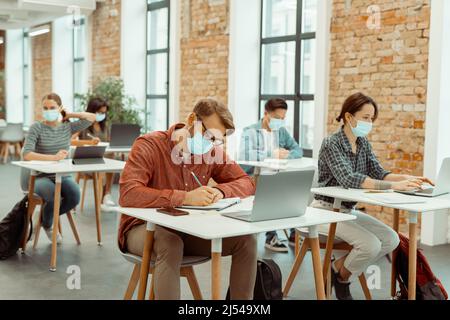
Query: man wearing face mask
<point x="346" y="159"/>
<point x="270" y="139"/>
<point x="165" y="169"/>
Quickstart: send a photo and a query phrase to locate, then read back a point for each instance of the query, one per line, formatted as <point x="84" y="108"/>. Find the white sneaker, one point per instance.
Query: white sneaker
<point x="49" y="233"/>
<point x="108" y="201"/>
<point x="34" y="219"/>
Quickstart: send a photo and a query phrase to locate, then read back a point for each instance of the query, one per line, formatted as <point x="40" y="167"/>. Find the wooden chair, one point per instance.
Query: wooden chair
<point x="301" y="252"/>
<point x="187" y="271"/>
<point x="37" y="201"/>
<point x="12" y="136"/>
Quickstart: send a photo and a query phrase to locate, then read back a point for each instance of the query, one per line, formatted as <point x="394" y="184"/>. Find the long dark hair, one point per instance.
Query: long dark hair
<point x="355" y="103"/>
<point x="94" y="105"/>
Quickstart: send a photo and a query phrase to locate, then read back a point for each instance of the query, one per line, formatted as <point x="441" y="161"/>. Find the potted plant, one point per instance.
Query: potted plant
<point x="122" y="107"/>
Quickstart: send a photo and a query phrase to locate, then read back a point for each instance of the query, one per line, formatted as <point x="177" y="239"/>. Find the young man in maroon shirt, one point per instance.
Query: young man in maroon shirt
<point x="160" y="173"/>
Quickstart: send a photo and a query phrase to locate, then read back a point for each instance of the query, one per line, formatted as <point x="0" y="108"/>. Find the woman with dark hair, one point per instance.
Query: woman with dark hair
<point x="98" y="132"/>
<point x="49" y="140"/>
<point x="346" y="159"/>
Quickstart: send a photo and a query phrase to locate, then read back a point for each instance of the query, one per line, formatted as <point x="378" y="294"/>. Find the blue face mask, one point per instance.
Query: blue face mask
<point x="198" y="145"/>
<point x="51" y="115"/>
<point x="99" y="117"/>
<point x="362" y="129"/>
<point x="276" y="124"/>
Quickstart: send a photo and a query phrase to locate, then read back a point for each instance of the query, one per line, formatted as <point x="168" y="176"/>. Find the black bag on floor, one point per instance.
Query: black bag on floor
<point x="12" y="228"/>
<point x="268" y="281"/>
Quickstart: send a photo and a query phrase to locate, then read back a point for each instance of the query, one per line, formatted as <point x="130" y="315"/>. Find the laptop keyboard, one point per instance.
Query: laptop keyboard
<point x="426" y="191"/>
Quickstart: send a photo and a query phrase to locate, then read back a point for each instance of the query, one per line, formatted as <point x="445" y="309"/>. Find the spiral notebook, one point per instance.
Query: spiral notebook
<point x="220" y="205"/>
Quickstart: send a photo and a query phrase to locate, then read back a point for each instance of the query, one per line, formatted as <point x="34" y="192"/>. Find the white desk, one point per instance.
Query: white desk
<point x="360" y="195"/>
<point x="213" y="226"/>
<point x="60" y="169"/>
<point x="292" y="165"/>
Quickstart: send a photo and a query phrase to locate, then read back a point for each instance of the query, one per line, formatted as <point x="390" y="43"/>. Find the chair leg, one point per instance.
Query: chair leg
<point x="193" y="283"/>
<point x="38" y="228"/>
<point x="295" y="268"/>
<point x="297" y="242"/>
<point x="363" y="282"/>
<point x="18" y="149"/>
<point x="132" y="284"/>
<point x="328" y="288"/>
<point x="83" y="193"/>
<point x="152" y="288"/>
<point x="59" y="227"/>
<point x="73" y="227"/>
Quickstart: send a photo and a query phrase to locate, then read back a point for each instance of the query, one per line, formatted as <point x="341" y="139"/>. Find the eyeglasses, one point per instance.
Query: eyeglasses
<point x="209" y="136"/>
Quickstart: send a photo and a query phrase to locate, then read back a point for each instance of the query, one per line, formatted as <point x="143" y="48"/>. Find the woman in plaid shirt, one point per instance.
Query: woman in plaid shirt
<point x="347" y="160"/>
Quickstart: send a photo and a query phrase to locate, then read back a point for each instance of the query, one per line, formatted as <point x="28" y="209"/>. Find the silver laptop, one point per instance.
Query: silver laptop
<point x="442" y="183"/>
<point x="279" y="196"/>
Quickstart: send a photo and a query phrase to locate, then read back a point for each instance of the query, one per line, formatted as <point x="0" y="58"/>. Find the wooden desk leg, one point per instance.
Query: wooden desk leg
<point x="328" y="254"/>
<point x="30" y="210"/>
<point x="98" y="211"/>
<point x="412" y="263"/>
<point x="146" y="258"/>
<point x="395" y="226"/>
<point x="56" y="205"/>
<point x="317" y="266"/>
<point x="216" y="256"/>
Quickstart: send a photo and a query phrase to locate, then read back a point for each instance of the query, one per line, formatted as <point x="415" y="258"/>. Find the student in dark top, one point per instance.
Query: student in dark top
<point x="99" y="132"/>
<point x="346" y="159"/>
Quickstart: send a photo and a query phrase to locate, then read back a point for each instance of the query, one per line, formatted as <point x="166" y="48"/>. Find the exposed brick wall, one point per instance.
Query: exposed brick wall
<point x="389" y="64"/>
<point x="41" y="53"/>
<point x="2" y="70"/>
<point x="204" y="53"/>
<point x="105" y="41"/>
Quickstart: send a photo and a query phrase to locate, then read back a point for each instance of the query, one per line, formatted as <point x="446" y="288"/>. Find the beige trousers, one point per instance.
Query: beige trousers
<point x="170" y="246"/>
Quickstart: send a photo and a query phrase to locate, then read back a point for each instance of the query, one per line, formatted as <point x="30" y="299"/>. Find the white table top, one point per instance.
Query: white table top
<point x="66" y="166"/>
<point x="118" y="150"/>
<point x="294" y="164"/>
<point x="360" y="195"/>
<point x="211" y="225"/>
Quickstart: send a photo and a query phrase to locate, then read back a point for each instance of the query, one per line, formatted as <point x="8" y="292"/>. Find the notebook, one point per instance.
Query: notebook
<point x="394" y="198"/>
<point x="220" y="205"/>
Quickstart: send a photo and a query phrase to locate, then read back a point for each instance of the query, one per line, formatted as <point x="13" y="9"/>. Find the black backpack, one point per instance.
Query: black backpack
<point x="268" y="281"/>
<point x="12" y="229"/>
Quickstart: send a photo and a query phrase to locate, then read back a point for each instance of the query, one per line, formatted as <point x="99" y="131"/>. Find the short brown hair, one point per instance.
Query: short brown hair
<point x="355" y="103"/>
<point x="276" y="103"/>
<point x="54" y="97"/>
<point x="208" y="107"/>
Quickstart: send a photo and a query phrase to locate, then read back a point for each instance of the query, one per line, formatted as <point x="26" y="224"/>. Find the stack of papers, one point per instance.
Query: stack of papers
<point x="220" y="205"/>
<point x="395" y="198"/>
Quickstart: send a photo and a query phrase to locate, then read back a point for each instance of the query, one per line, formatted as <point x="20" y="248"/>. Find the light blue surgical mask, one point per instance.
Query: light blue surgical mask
<point x="99" y="117"/>
<point x="198" y="145"/>
<point x="276" y="124"/>
<point x="362" y="129"/>
<point x="51" y="115"/>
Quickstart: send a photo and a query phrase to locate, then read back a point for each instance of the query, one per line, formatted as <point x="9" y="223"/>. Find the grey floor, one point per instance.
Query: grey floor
<point x="105" y="274"/>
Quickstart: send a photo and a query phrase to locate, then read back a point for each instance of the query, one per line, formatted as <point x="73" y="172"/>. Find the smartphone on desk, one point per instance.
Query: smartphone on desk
<point x="173" y="212"/>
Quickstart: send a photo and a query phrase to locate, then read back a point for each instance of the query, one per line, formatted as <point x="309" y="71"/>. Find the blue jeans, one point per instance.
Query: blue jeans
<point x="70" y="197"/>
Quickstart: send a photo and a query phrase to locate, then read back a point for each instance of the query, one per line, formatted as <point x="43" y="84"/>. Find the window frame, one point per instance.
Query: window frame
<point x="297" y="97"/>
<point x="76" y="61"/>
<point x="26" y="89"/>
<point x="154" y="6"/>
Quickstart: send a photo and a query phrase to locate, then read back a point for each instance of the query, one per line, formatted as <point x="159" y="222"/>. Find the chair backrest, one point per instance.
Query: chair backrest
<point x="13" y="133"/>
<point x="315" y="184"/>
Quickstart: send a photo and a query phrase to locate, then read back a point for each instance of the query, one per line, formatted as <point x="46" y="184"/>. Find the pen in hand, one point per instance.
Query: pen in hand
<point x="196" y="179"/>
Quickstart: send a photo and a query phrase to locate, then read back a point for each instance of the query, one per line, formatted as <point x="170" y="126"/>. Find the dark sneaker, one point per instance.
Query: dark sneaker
<point x="342" y="289"/>
<point x="276" y="245"/>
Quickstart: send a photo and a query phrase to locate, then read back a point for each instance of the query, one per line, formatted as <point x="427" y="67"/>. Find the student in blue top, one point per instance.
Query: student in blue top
<point x="269" y="138"/>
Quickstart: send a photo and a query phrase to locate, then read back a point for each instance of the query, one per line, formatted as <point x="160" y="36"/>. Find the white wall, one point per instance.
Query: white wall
<point x="435" y="228"/>
<point x="174" y="61"/>
<point x="324" y="9"/>
<point x="14" y="76"/>
<point x="134" y="49"/>
<point x="244" y="60"/>
<point x="62" y="60"/>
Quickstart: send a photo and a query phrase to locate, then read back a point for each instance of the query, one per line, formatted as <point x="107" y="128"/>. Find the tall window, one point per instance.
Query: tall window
<point x="288" y="33"/>
<point x="157" y="105"/>
<point x="79" y="62"/>
<point x="26" y="58"/>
